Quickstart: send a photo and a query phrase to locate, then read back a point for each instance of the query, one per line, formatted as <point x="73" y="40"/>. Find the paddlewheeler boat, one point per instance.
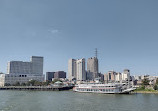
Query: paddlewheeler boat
<point x="110" y="88"/>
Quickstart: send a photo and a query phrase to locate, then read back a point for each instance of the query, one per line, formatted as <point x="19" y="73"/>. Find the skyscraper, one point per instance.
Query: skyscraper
<point x="37" y="65"/>
<point x="71" y="69"/>
<point x="76" y="69"/>
<point x="80" y="72"/>
<point x="92" y="68"/>
<point x="111" y="76"/>
<point x="118" y="77"/>
<point x="126" y="75"/>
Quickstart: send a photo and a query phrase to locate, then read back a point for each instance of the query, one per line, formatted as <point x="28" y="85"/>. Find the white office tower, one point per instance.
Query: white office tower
<point x="71" y="69"/>
<point x="92" y="68"/>
<point x="80" y="72"/>
<point x="126" y="75"/>
<point x="76" y="69"/>
<point x="118" y="77"/>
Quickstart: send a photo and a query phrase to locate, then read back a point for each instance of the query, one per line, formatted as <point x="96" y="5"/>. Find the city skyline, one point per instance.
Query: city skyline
<point x="125" y="33"/>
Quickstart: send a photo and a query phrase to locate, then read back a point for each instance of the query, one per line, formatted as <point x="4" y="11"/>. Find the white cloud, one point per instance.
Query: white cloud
<point x="54" y="31"/>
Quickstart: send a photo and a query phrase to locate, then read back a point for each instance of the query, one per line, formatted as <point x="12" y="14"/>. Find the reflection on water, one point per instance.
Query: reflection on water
<point x="71" y="101"/>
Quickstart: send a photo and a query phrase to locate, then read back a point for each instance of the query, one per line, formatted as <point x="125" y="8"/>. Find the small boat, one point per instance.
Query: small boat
<point x="110" y="88"/>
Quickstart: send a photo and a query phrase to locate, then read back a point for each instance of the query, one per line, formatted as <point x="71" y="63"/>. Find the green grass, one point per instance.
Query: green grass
<point x="142" y="90"/>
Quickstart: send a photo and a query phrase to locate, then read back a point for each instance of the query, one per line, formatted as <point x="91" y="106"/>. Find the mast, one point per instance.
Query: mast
<point x="96" y="52"/>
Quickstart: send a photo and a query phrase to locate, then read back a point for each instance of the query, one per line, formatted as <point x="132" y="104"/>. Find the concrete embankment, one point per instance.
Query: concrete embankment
<point x="38" y="88"/>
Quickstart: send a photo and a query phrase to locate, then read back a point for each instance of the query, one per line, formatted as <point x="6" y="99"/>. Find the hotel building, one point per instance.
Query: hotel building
<point x="76" y="69"/>
<point x="22" y="72"/>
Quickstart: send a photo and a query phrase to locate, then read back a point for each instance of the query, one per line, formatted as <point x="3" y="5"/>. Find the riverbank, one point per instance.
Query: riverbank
<point x="146" y="91"/>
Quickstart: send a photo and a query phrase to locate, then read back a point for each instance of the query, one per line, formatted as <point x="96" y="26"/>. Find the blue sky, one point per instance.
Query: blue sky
<point x="124" y="31"/>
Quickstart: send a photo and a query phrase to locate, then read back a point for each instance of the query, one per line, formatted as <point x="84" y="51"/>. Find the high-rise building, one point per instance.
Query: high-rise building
<point x="60" y="74"/>
<point x="35" y="66"/>
<point x="106" y="78"/>
<point x="2" y="79"/>
<point x="22" y="72"/>
<point x="110" y="76"/>
<point x="49" y="76"/>
<point x="126" y="75"/>
<point x="101" y="76"/>
<point x="76" y="69"/>
<point x="80" y="72"/>
<point x="71" y="69"/>
<point x="19" y="67"/>
<point x="118" y="77"/>
<point x="92" y="68"/>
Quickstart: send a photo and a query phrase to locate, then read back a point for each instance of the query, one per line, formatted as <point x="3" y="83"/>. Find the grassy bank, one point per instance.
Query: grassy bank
<point x="140" y="90"/>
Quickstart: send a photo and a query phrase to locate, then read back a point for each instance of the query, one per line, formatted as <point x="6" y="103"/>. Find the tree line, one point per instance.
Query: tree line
<point x="145" y="83"/>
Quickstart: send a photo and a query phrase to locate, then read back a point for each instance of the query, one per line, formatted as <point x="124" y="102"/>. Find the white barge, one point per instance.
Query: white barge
<point x="110" y="88"/>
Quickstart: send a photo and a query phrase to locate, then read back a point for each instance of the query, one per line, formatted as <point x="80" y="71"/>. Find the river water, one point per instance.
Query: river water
<point x="73" y="101"/>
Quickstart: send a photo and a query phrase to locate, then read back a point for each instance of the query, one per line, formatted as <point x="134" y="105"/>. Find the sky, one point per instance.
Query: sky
<point x="125" y="32"/>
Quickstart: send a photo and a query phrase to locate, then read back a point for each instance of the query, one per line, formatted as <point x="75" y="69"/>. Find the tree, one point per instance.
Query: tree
<point x="33" y="83"/>
<point x="155" y="87"/>
<point x="7" y="84"/>
<point x="37" y="83"/>
<point x="145" y="82"/>
<point x="17" y="83"/>
<point x="30" y="83"/>
<point x="46" y="83"/>
<point x="157" y="81"/>
<point x="23" y="84"/>
<point x="142" y="87"/>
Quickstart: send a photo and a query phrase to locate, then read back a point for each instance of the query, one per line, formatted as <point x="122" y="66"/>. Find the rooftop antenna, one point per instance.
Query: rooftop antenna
<point x="96" y="52"/>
